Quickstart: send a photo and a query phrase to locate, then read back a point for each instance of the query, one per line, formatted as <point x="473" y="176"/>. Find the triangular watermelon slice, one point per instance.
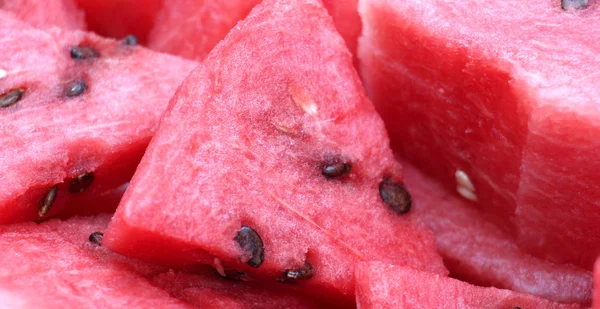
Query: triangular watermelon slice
<point x="47" y="13"/>
<point x="54" y="265"/>
<point x="77" y="113"/>
<point x="272" y="161"/>
<point x="381" y="286"/>
<point x="477" y="251"/>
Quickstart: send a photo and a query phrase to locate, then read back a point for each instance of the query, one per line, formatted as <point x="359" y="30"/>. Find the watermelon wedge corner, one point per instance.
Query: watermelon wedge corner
<point x="381" y="286"/>
<point x="505" y="115"/>
<point x="477" y="251"/>
<point x="271" y="161"/>
<point x="48" y="13"/>
<point x="77" y="114"/>
<point x="54" y="265"/>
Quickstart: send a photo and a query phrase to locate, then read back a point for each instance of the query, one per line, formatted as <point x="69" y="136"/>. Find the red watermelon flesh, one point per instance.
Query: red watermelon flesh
<point x="191" y="28"/>
<point x="56" y="136"/>
<point x="347" y="21"/>
<point x="119" y="18"/>
<point x="596" y="296"/>
<point x="477" y="251"/>
<point x="498" y="100"/>
<point x="246" y="142"/>
<point x="54" y="265"/>
<point x="49" y="13"/>
<point x="381" y="286"/>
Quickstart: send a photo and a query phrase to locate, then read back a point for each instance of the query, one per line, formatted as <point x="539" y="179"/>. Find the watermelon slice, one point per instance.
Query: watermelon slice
<point x="505" y="115"/>
<point x="78" y="112"/>
<point x="390" y="286"/>
<point x="477" y="251"/>
<point x="191" y="28"/>
<point x="53" y="13"/>
<point x="54" y="265"/>
<point x="272" y="160"/>
<point x="119" y="18"/>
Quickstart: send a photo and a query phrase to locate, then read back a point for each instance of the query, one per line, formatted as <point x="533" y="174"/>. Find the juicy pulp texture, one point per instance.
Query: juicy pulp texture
<point x="501" y="94"/>
<point x="49" y="13"/>
<point x="54" y="265"/>
<point x="381" y="286"/>
<point x="477" y="251"/>
<point x="49" y="138"/>
<point x="244" y="143"/>
<point x="119" y="18"/>
<point x="191" y="28"/>
<point x="596" y="297"/>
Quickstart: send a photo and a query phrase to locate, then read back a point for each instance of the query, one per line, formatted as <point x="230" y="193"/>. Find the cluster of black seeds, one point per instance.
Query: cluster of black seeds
<point x="78" y="185"/>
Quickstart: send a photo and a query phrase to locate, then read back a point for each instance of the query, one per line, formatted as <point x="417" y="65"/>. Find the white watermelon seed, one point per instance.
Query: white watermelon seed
<point x="219" y="267"/>
<point x="96" y="238"/>
<point x="47" y="200"/>
<point x="3" y="73"/>
<point x="76" y="88"/>
<point x="11" y="97"/>
<point x="252" y="245"/>
<point x="464" y="186"/>
<point x="395" y="196"/>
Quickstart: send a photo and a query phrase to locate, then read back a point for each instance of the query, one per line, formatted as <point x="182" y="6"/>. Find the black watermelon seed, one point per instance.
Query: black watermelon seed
<point x="395" y="195"/>
<point x="234" y="275"/>
<point x="47" y="201"/>
<point x="11" y="97"/>
<point x="76" y="88"/>
<point x="336" y="170"/>
<point x="252" y="245"/>
<point x="83" y="52"/>
<point x="81" y="182"/>
<point x="96" y="238"/>
<point x="304" y="273"/>
<point x="574" y="4"/>
<point x="130" y="40"/>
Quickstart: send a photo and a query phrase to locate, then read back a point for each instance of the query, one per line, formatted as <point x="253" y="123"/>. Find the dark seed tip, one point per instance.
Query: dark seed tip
<point x="252" y="245"/>
<point x="11" y="97"/>
<point x="76" y="88"/>
<point x="81" y="182"/>
<point x="130" y="40"/>
<point x="96" y="238"/>
<point x="47" y="200"/>
<point x="336" y="170"/>
<point x="574" y="4"/>
<point x="395" y="196"/>
<point x="83" y="52"/>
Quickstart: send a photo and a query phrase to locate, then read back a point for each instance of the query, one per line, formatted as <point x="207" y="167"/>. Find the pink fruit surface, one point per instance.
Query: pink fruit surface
<point x="477" y="251"/>
<point x="65" y="118"/>
<point x="506" y="115"/>
<point x="272" y="160"/>
<point x="48" y="13"/>
<point x="54" y="265"/>
<point x="381" y="286"/>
